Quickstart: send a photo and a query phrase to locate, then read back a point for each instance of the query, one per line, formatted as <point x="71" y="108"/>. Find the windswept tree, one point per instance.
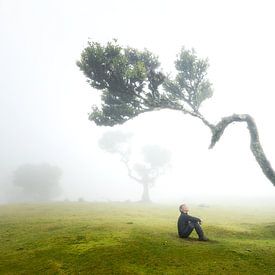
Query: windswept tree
<point x="154" y="163"/>
<point x="38" y="182"/>
<point x="131" y="83"/>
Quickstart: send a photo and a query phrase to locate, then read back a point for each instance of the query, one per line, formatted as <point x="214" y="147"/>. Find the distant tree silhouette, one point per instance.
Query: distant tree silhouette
<point x="155" y="159"/>
<point x="38" y="182"/>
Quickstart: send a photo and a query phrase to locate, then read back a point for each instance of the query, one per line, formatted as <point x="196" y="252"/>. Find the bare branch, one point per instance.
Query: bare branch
<point x="255" y="144"/>
<point x="130" y="174"/>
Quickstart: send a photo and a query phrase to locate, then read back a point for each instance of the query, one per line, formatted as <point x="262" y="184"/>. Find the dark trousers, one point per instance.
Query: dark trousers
<point x="190" y="227"/>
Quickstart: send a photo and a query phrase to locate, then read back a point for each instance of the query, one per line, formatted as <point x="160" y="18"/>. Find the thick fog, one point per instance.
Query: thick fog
<point x="45" y="99"/>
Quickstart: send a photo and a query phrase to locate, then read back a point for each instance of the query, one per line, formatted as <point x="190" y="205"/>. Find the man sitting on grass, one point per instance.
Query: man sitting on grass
<point x="187" y="223"/>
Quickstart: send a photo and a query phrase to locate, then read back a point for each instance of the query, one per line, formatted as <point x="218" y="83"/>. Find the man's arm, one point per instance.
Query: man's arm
<point x="193" y="219"/>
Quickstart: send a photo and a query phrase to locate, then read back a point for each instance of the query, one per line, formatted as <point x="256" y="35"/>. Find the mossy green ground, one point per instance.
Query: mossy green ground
<point x="131" y="238"/>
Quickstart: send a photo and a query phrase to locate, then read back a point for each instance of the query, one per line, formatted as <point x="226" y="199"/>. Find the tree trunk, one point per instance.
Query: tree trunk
<point x="145" y="193"/>
<point x="255" y="144"/>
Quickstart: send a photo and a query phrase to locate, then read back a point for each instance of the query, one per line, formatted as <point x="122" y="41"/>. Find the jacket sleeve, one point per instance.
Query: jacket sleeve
<point x="193" y="219"/>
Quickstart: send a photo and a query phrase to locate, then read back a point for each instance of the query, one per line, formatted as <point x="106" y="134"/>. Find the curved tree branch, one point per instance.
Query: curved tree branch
<point x="218" y="129"/>
<point x="255" y="144"/>
<point x="174" y="106"/>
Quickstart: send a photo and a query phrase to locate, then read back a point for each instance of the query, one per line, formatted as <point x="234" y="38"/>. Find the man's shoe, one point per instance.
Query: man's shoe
<point x="203" y="239"/>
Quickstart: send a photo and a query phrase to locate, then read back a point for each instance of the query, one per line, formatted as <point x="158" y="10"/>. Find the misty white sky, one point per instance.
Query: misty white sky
<point x="44" y="99"/>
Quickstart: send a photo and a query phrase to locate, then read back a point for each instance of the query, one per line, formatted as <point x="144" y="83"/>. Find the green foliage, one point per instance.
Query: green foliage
<point x="131" y="83"/>
<point x="127" y="77"/>
<point x="132" y="238"/>
<point x="190" y="85"/>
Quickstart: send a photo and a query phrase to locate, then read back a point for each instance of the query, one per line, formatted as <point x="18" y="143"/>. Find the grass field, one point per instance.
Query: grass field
<point x="131" y="238"/>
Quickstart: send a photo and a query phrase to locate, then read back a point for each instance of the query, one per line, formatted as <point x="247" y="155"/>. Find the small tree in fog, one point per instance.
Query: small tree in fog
<point x="38" y="182"/>
<point x="155" y="159"/>
<point x="131" y="84"/>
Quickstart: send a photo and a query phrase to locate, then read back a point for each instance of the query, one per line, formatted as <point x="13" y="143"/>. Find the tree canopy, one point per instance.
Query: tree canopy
<point x="130" y="81"/>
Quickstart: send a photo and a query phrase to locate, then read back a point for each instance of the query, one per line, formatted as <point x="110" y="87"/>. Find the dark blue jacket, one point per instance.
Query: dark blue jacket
<point x="183" y="222"/>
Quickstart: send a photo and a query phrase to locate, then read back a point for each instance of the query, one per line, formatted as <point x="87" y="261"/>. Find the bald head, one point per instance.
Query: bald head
<point x="183" y="208"/>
